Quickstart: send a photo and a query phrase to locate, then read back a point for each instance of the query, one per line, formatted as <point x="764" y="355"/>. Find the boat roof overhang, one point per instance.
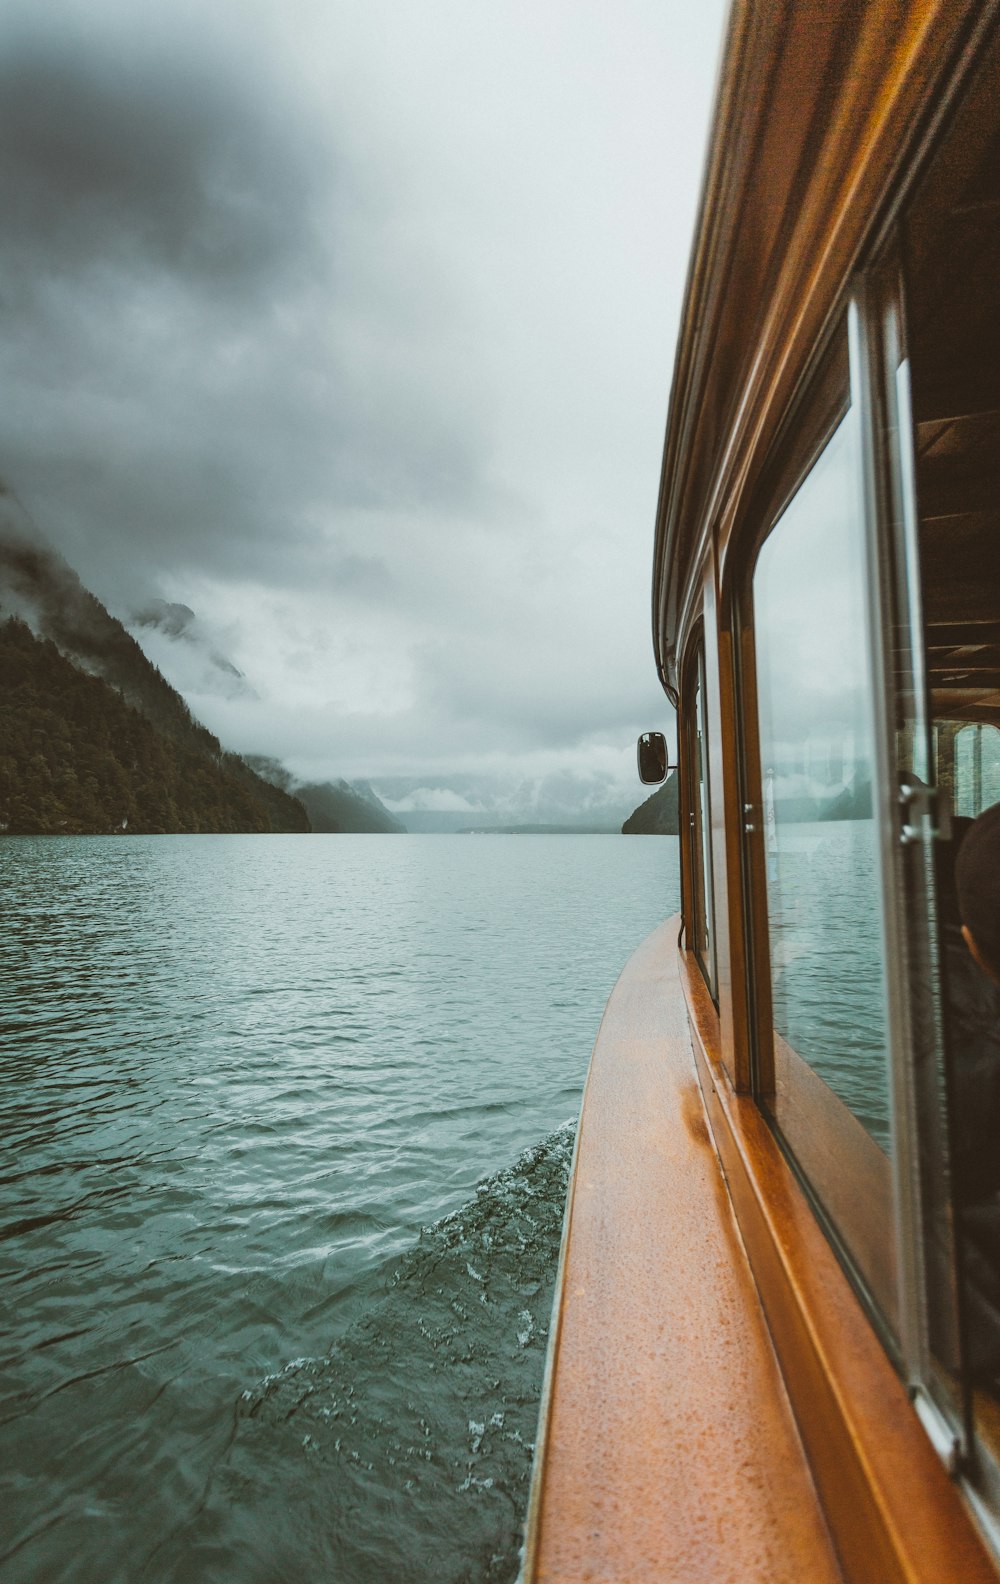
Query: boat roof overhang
<point x="821" y="104"/>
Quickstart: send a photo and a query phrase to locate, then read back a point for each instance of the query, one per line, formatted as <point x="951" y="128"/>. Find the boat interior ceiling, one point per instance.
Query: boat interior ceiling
<point x="951" y="260"/>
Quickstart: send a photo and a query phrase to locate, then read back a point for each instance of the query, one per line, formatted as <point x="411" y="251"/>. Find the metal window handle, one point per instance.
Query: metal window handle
<point x="918" y="803"/>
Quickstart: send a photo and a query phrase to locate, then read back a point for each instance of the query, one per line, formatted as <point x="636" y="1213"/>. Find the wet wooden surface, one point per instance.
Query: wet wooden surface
<point x="850" y="1174"/>
<point x="670" y="1452"/>
<point x="897" y="1516"/>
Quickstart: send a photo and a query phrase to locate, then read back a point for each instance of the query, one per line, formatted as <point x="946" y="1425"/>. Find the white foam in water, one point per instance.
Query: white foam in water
<point x="406" y="1453"/>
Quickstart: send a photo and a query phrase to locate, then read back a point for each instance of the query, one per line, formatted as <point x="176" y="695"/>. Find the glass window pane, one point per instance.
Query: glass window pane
<point x="830" y="1091"/>
<point x="701" y="850"/>
<point x="977" y="769"/>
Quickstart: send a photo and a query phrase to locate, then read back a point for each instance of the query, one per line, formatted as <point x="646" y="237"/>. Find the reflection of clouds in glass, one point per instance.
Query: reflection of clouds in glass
<point x="816" y="749"/>
<point x="809" y="612"/>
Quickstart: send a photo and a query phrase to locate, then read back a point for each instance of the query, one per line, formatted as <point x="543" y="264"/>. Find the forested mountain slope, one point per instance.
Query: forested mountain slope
<point x="332" y="806"/>
<point x="40" y="587"/>
<point x="658" y="816"/>
<point x="76" y="757"/>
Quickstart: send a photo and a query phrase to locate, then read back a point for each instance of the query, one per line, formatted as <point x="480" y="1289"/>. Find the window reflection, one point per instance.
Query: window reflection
<point x="828" y="1090"/>
<point x="701" y="848"/>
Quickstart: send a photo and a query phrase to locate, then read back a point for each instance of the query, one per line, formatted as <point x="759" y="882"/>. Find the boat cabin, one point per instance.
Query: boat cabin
<point x="826" y="621"/>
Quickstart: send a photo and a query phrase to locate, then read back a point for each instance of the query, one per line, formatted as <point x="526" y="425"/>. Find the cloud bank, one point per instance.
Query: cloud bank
<point x="350" y="328"/>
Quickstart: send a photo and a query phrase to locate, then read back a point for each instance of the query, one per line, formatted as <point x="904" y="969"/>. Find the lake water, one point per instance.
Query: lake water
<point x="259" y="1322"/>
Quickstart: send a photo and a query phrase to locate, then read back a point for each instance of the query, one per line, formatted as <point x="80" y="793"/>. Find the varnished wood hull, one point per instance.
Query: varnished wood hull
<point x="717" y="1405"/>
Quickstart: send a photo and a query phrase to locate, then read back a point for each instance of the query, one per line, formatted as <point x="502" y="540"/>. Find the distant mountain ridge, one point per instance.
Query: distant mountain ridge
<point x="567" y="801"/>
<point x="340" y="807"/>
<point x="659" y="815"/>
<point x="537" y="830"/>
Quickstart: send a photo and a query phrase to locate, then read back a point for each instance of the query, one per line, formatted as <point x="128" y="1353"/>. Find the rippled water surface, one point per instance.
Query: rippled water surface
<point x="239" y="1076"/>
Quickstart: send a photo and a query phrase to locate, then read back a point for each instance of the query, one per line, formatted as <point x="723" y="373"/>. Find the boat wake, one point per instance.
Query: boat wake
<point x="406" y="1452"/>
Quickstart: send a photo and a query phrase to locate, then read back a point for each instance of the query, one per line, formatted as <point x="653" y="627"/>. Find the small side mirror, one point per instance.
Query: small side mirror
<point x="652" y="757"/>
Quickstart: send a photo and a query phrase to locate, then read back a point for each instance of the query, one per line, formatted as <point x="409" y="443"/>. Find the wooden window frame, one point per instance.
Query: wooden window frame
<point x="844" y="1200"/>
<point x="697" y="809"/>
<point x="873" y="314"/>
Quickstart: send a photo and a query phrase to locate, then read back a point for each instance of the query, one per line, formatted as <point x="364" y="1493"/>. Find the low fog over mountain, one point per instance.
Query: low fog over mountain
<point x="478" y="801"/>
<point x="173" y="638"/>
<point x="95" y="739"/>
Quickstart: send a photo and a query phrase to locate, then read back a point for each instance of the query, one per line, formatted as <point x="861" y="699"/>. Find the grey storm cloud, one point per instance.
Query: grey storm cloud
<point x="127" y="161"/>
<point x="206" y="365"/>
<point x="347" y="326"/>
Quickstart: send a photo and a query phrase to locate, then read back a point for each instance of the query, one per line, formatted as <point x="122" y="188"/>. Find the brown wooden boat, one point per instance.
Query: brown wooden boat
<point x="775" y="1353"/>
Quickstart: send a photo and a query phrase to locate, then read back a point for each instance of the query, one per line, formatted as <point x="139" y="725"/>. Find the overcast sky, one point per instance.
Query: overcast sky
<point x="350" y="325"/>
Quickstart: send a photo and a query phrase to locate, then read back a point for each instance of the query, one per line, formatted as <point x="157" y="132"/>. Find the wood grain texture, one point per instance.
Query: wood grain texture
<point x="821" y="107"/>
<point x="668" y="1451"/>
<point x="848" y="1172"/>
<point x="895" y="1515"/>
